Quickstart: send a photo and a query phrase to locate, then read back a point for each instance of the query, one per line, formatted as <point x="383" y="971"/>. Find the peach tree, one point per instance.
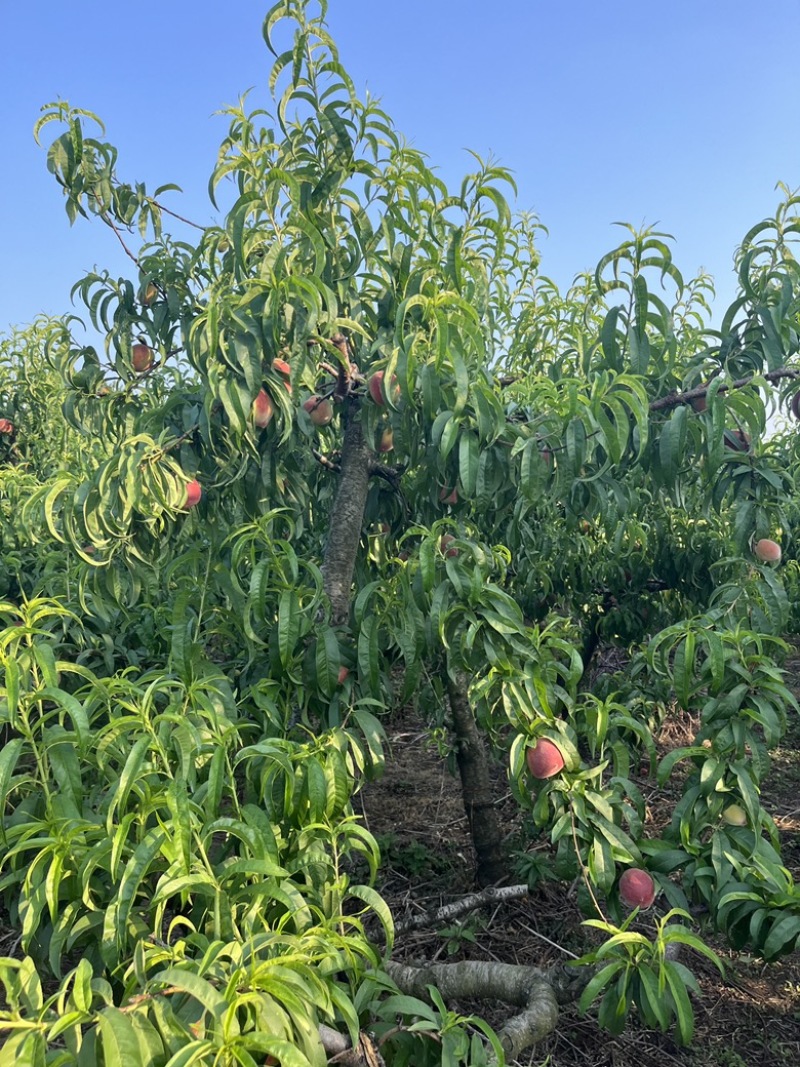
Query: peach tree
<point x="349" y="450"/>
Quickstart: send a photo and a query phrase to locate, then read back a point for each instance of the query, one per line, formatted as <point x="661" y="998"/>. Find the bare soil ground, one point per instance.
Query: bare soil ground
<point x="751" y="1018"/>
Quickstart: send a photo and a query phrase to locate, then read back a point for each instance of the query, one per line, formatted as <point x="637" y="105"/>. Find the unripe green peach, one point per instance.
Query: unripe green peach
<point x="386" y="443"/>
<point x="734" y="815"/>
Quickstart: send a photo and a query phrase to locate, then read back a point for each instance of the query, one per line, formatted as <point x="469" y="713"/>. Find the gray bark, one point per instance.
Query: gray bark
<point x="344" y="536"/>
<point x="476" y="786"/>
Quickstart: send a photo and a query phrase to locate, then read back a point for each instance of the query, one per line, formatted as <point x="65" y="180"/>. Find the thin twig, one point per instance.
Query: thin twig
<point x="174" y="214"/>
<point x="323" y="461"/>
<point x="128" y="252"/>
<point x="584" y="871"/>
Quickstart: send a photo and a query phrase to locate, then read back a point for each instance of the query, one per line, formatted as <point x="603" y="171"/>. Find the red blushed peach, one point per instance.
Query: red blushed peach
<point x="544" y="759"/>
<point x="767" y="551"/>
<point x="141" y="358"/>
<point x="445" y="546"/>
<point x="637" y="888"/>
<point x="342" y="675"/>
<point x="375" y="387"/>
<point x="262" y="409"/>
<point x="319" y="410"/>
<point x="193" y="493"/>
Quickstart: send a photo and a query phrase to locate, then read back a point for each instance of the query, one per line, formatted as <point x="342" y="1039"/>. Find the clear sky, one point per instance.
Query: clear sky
<point x="682" y="114"/>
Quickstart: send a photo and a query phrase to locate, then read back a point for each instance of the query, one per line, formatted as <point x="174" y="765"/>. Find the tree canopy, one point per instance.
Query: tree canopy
<point x="351" y="451"/>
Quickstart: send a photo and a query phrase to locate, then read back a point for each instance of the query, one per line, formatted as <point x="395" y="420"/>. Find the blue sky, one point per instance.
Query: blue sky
<point x="683" y="115"/>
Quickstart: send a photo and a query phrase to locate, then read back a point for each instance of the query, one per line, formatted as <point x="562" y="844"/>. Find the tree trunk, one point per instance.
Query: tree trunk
<point x="344" y="535"/>
<point x="476" y="786"/>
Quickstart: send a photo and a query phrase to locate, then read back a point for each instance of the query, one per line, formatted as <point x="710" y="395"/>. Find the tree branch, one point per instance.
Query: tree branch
<point x="339" y="1050"/>
<point x="674" y="400"/>
<point x="524" y="987"/>
<point x="491" y="895"/>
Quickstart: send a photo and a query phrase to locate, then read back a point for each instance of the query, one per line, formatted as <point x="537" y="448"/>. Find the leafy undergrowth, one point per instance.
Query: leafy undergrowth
<point x="749" y="1018"/>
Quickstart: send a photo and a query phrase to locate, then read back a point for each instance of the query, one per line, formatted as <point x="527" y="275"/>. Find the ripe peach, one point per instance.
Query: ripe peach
<point x="544" y="758"/>
<point x="141" y="357"/>
<point x="637" y="888"/>
<point x="375" y="387"/>
<point x="444" y="546"/>
<point x="6" y="426"/>
<point x="193" y="493"/>
<point x="283" y="368"/>
<point x="448" y="496"/>
<point x="767" y="551"/>
<point x="320" y="410"/>
<point x="262" y="409"/>
<point x="342" y="676"/>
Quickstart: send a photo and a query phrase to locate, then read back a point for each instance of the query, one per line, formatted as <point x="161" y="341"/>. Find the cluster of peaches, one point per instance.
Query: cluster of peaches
<point x="545" y="759"/>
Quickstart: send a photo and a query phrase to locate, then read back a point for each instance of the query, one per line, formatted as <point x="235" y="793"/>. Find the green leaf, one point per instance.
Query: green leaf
<point x="368" y="654"/>
<point x="118" y="1039"/>
<point x="288" y="626"/>
<point x="468" y="458"/>
<point x="597" y="984"/>
<point x="136" y="869"/>
<point x="376" y="902"/>
<point x="683" y="1006"/>
<point x="783" y="936"/>
<point x="653" y="1000"/>
<point x="672" y="444"/>
<point x="199" y="989"/>
<point x="24" y="1049"/>
<point x="327" y="660"/>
